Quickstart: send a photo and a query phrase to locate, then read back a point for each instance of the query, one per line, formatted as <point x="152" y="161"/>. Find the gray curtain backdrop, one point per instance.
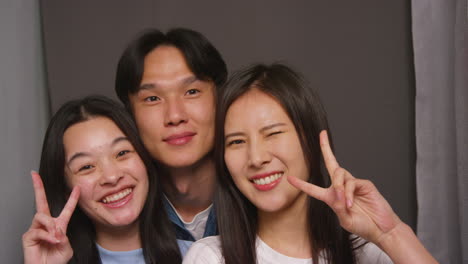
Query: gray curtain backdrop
<point x="23" y="116"/>
<point x="440" y="37"/>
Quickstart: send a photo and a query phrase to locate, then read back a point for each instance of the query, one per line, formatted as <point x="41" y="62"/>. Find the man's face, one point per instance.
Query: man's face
<point x="174" y="111"/>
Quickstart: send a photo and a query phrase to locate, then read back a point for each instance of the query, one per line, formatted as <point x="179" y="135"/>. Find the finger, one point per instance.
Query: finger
<point x="41" y="199"/>
<point x="34" y="236"/>
<point x="350" y="186"/>
<point x="69" y="208"/>
<point x="64" y="245"/>
<point x="310" y="189"/>
<point x="41" y="221"/>
<point x="328" y="157"/>
<point x="59" y="234"/>
<point x="338" y="179"/>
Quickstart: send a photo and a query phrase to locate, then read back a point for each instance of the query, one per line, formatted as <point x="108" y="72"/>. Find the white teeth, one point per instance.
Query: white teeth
<point x="268" y="179"/>
<point x="117" y="196"/>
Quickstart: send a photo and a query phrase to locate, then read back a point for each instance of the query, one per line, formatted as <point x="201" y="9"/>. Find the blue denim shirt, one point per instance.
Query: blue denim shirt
<point x="182" y="233"/>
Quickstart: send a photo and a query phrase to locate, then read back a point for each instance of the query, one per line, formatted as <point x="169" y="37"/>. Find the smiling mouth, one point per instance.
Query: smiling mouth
<point x="268" y="179"/>
<point x="117" y="196"/>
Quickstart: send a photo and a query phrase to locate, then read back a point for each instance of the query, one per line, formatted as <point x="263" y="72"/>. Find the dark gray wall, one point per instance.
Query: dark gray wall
<point x="358" y="55"/>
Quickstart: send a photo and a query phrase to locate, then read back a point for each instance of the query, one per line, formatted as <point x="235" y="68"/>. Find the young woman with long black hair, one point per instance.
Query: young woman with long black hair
<point x="278" y="201"/>
<point x="99" y="199"/>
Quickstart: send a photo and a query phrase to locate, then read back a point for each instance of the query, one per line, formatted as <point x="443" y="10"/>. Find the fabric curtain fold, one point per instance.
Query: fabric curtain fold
<point x="440" y="40"/>
<point x="24" y="114"/>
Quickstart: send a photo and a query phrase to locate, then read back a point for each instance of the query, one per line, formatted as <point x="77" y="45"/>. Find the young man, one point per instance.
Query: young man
<point x="168" y="82"/>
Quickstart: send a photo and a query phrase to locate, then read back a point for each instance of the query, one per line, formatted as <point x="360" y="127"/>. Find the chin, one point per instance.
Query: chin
<point x="182" y="161"/>
<point x="123" y="220"/>
<point x="269" y="206"/>
<point x="179" y="164"/>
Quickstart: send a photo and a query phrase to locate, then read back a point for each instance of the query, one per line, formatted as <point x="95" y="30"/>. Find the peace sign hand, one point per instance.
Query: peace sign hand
<point x="46" y="240"/>
<point x="360" y="208"/>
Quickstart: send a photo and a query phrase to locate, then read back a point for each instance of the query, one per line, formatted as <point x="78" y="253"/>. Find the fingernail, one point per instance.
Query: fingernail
<point x="58" y="233"/>
<point x="349" y="203"/>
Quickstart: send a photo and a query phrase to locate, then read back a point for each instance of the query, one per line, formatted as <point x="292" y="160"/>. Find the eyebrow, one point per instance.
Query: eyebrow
<point x="85" y="154"/>
<point x="185" y="81"/>
<point x="271" y="126"/>
<point x="263" y="129"/>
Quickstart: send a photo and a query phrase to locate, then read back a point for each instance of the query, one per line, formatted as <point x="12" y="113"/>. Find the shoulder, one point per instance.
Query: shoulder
<point x="206" y="250"/>
<point x="370" y="253"/>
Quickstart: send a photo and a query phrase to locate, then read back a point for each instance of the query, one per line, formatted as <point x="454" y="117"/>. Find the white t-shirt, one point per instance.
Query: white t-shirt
<point x="208" y="251"/>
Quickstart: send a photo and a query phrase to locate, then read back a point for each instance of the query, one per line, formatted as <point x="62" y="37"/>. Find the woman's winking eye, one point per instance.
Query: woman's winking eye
<point x="274" y="133"/>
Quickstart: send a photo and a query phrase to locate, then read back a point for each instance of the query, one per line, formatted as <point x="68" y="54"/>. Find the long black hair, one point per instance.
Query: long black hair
<point x="202" y="58"/>
<point x="156" y="233"/>
<point x="237" y="216"/>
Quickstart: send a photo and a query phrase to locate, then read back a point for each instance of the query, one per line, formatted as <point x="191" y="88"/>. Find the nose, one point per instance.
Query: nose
<point x="258" y="154"/>
<point x="175" y="113"/>
<point x="110" y="174"/>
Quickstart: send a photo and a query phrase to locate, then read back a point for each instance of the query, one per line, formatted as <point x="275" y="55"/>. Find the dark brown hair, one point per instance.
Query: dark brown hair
<point x="156" y="233"/>
<point x="201" y="56"/>
<point x="237" y="216"/>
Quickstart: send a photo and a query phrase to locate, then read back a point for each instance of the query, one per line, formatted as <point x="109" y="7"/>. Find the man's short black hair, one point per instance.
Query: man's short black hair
<point x="201" y="57"/>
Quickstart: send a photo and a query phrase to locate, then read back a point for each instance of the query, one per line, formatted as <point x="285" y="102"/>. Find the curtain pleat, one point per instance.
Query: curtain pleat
<point x="440" y="39"/>
<point x="23" y="119"/>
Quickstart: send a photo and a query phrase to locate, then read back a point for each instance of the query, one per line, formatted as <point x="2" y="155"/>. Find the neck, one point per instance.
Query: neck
<point x="286" y="231"/>
<point x="119" y="238"/>
<point x="191" y="189"/>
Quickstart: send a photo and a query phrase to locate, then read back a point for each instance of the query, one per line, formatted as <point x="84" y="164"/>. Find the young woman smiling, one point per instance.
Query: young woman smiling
<point x="275" y="201"/>
<point x="92" y="157"/>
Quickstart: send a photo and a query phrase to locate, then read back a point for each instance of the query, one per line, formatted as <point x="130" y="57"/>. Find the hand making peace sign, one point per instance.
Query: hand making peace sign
<point x="46" y="240"/>
<point x="360" y="208"/>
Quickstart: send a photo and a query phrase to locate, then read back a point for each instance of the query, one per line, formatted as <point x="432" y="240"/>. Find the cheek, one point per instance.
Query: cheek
<point x="72" y="181"/>
<point x="146" y="118"/>
<point x="203" y="110"/>
<point x="297" y="158"/>
<point x="234" y="160"/>
<point x="138" y="168"/>
<point x="86" y="183"/>
<point x="144" y="181"/>
<point x="86" y="197"/>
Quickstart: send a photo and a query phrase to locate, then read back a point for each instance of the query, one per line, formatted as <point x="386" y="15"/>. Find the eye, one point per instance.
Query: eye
<point x="192" y="92"/>
<point x="85" y="167"/>
<point x="235" y="142"/>
<point x="122" y="153"/>
<point x="152" y="99"/>
<point x="274" y="133"/>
